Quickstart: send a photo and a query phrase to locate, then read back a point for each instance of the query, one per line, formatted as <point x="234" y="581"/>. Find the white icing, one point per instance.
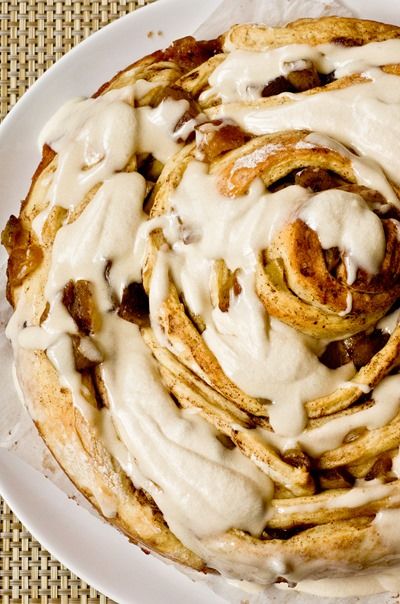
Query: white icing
<point x="197" y="483"/>
<point x="182" y="132"/>
<point x="367" y="171"/>
<point x="344" y="220"/>
<point x="202" y="487"/>
<point x="65" y="118"/>
<point x="356" y="585"/>
<point x="387" y="523"/>
<point x="331" y="434"/>
<point x="389" y="323"/>
<point x="246" y="586"/>
<point x="349" y="305"/>
<point x="58" y="321"/>
<point x="341" y="114"/>
<point x="265" y="358"/>
<point x="156" y="128"/>
<point x="110" y="220"/>
<point x="364" y="388"/>
<point x="143" y="87"/>
<point x="243" y="74"/>
<point x="360" y="495"/>
<point x="93" y="138"/>
<point x="96" y="137"/>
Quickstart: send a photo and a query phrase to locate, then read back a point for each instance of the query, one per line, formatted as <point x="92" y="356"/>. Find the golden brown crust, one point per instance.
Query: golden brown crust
<point x="344" y="31"/>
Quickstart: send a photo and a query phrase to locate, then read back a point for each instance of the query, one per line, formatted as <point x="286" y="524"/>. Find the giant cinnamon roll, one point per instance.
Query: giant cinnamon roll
<point x="206" y="282"/>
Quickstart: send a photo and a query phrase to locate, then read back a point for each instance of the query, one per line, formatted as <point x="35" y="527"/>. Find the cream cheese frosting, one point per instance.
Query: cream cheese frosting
<point x="340" y="114"/>
<point x="244" y="73"/>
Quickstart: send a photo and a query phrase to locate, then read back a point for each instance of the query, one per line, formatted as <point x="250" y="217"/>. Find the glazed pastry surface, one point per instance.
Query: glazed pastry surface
<point x="206" y="280"/>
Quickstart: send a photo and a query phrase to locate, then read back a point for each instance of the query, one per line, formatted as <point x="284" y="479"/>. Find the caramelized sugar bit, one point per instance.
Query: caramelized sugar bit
<point x="215" y="138"/>
<point x="335" y="355"/>
<point x="381" y="468"/>
<point x="298" y="80"/>
<point x="347" y="41"/>
<point x="336" y="478"/>
<point x="222" y="282"/>
<point x="297" y="458"/>
<point x="86" y="353"/>
<point x="22" y="262"/>
<point x="25" y="256"/>
<point x="189" y="53"/>
<point x="134" y="305"/>
<point x="355" y="434"/>
<point x="173" y="92"/>
<point x="14" y="235"/>
<point x="304" y="79"/>
<point x="318" y="179"/>
<point x="78" y="298"/>
<point x="359" y="348"/>
<point x="277" y="86"/>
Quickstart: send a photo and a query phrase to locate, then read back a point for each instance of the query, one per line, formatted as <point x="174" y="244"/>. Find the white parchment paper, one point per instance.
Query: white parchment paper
<point x="272" y="12"/>
<point x="17" y="432"/>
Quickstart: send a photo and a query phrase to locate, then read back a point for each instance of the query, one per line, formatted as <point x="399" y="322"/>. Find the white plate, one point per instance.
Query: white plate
<point x="93" y="550"/>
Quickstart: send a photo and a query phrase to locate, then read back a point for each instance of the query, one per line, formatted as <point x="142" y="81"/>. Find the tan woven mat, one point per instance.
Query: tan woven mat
<point x="33" y="35"/>
<point x="30" y="575"/>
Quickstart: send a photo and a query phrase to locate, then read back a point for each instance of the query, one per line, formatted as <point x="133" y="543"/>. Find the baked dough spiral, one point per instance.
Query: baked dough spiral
<point x="206" y="316"/>
<point x="294" y="279"/>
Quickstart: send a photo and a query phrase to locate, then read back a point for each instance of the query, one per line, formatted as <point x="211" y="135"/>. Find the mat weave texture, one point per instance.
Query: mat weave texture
<point x="33" y="35"/>
<point x="36" y="33"/>
<point x="30" y="575"/>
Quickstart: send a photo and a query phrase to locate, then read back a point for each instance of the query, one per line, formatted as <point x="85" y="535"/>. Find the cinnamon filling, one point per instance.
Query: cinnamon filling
<point x="296" y="81"/>
<point x="79" y="299"/>
<point x="25" y="256"/>
<point x="217" y="137"/>
<point x="134" y="305"/>
<point x="359" y="349"/>
<point x="189" y="53"/>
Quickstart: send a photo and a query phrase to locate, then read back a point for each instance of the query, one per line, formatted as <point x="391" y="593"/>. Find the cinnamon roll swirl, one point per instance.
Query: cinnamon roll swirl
<point x="206" y="282"/>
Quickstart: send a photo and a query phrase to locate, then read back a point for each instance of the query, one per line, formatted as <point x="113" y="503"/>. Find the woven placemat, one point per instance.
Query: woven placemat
<point x="33" y="35"/>
<point x="30" y="575"/>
